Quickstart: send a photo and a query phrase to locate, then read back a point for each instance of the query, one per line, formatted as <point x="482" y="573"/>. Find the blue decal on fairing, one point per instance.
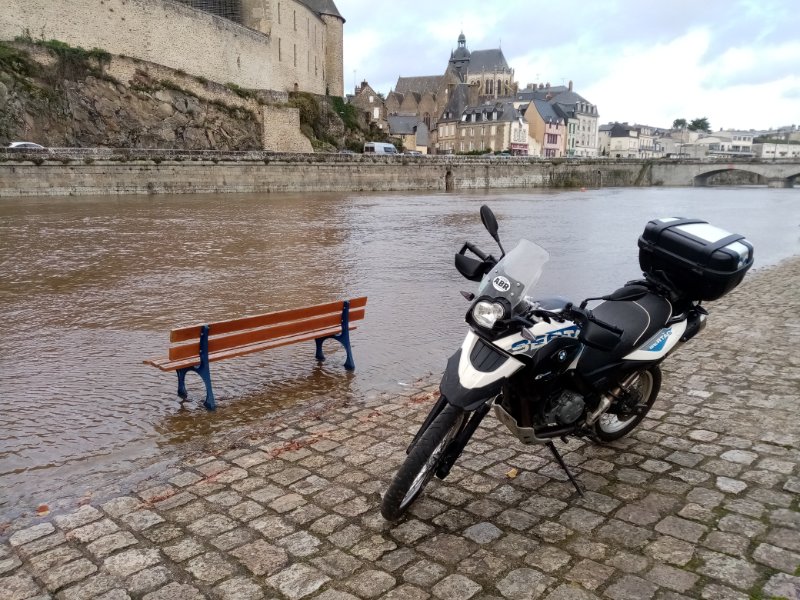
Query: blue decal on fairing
<point x="660" y="341"/>
<point x="541" y="340"/>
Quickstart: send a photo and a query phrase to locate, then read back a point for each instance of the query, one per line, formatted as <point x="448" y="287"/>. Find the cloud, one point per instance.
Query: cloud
<point x="638" y="61"/>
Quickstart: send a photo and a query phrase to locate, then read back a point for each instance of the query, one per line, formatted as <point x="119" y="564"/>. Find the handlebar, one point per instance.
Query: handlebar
<point x="474" y="249"/>
<point x="578" y="314"/>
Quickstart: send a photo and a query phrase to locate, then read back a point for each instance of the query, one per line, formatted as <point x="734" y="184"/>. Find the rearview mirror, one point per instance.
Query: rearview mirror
<point x="489" y="221"/>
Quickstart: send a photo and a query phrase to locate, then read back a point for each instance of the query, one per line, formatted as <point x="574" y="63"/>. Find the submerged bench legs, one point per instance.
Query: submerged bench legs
<point x="202" y="370"/>
<point x="343" y="338"/>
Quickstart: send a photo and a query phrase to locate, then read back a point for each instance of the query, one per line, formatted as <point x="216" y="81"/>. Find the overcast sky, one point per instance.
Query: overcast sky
<point x="736" y="62"/>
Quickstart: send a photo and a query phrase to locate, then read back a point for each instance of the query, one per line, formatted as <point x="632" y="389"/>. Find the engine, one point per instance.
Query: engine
<point x="565" y="408"/>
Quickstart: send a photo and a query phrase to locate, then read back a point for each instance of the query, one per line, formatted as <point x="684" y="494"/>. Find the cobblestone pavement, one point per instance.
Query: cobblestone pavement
<point x="700" y="502"/>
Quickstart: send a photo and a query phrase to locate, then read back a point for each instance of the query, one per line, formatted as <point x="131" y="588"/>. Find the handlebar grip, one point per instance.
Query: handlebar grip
<point x="605" y="325"/>
<point x="475" y="250"/>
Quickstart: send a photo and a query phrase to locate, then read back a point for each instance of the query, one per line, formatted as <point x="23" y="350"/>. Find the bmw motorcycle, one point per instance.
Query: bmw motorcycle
<point x="551" y="369"/>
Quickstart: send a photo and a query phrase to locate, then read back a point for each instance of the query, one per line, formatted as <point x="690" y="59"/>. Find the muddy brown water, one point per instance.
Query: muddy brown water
<point x="89" y="287"/>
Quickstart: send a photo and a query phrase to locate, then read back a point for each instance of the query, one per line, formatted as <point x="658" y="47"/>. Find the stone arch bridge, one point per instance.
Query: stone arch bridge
<point x="697" y="173"/>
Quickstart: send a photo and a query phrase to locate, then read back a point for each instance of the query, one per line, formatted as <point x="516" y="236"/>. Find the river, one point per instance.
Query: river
<point x="91" y="286"/>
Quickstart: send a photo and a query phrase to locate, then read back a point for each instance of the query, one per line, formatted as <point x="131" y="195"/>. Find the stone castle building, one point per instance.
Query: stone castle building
<point x="282" y="45"/>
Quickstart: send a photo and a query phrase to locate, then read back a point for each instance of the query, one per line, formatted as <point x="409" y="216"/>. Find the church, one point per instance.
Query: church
<point x="485" y="72"/>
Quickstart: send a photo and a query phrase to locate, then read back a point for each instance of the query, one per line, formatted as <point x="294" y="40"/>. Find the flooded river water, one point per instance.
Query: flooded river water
<point x="89" y="287"/>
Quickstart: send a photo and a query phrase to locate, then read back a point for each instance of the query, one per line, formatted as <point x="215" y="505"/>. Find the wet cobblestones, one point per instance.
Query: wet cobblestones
<point x="700" y="502"/>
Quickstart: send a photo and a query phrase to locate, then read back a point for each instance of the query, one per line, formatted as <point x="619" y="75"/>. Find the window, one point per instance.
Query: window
<point x="294" y="19"/>
<point x="494" y="129"/>
<point x="371" y="99"/>
<point x="376" y="113"/>
<point x="552" y="138"/>
<point x="295" y="55"/>
<point x="279" y="13"/>
<point x="280" y="57"/>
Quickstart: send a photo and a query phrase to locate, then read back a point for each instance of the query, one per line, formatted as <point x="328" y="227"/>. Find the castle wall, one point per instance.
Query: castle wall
<point x="179" y="37"/>
<point x="281" y="130"/>
<point x="334" y="55"/>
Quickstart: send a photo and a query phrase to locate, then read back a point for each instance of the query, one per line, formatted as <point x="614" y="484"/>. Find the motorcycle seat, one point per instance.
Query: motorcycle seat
<point x="638" y="319"/>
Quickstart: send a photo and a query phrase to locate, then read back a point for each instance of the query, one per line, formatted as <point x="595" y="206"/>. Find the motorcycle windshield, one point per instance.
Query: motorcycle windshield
<point x="515" y="275"/>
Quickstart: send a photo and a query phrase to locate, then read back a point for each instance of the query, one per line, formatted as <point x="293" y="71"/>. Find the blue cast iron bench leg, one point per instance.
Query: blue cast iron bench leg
<point x="202" y="370"/>
<point x="343" y="338"/>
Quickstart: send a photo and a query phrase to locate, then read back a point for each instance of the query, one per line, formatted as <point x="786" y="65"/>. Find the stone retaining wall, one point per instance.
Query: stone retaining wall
<point x="79" y="174"/>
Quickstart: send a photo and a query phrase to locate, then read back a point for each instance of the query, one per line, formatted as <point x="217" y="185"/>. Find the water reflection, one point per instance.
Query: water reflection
<point x="89" y="287"/>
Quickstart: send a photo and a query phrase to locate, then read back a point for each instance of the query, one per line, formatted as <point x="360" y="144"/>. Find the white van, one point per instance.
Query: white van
<point x="379" y="148"/>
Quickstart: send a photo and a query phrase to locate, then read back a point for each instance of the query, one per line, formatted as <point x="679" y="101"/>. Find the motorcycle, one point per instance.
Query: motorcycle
<point x="551" y="369"/>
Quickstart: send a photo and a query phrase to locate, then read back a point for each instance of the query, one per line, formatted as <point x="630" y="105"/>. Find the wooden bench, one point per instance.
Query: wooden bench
<point x="192" y="348"/>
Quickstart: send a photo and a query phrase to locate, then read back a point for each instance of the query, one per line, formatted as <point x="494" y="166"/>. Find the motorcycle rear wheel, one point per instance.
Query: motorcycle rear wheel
<point x="421" y="463"/>
<point x="610" y="427"/>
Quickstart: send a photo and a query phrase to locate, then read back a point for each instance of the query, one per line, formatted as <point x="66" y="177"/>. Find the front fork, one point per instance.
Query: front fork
<point x="437" y="408"/>
<point x="455" y="448"/>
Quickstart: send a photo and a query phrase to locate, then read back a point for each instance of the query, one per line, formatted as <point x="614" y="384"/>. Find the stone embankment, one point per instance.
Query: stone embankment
<point x="108" y="172"/>
<point x="700" y="502"/>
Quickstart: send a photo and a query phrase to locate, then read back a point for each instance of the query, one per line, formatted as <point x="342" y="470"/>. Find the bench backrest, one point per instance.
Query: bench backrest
<point x="234" y="333"/>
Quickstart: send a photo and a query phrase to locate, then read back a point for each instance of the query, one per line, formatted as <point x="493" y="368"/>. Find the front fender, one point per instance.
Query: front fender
<point x="475" y="374"/>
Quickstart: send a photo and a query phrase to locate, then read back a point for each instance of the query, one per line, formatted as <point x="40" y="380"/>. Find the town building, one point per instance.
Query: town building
<point x="411" y="131"/>
<point x="618" y="140"/>
<point x="579" y="115"/>
<point x="776" y="150"/>
<point x="547" y="128"/>
<point x="370" y="105"/>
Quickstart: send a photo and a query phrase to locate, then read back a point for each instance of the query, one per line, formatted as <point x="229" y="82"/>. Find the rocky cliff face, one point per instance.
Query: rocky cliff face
<point x="60" y="96"/>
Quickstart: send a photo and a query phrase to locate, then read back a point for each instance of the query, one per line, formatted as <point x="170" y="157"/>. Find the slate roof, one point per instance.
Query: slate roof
<point x="506" y="111"/>
<point x="399" y="125"/>
<point x="323" y="7"/>
<point x="546" y="110"/>
<point x="459" y="100"/>
<point x="487" y="60"/>
<point x="529" y="94"/>
<point x="426" y="83"/>
<point x="569" y="97"/>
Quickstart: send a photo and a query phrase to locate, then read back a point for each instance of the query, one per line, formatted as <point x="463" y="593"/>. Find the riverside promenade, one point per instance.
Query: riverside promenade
<point x="700" y="502"/>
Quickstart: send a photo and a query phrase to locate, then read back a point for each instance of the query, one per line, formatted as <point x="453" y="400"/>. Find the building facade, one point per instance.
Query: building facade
<point x="370" y="105"/>
<point x="579" y="115"/>
<point x="547" y="129"/>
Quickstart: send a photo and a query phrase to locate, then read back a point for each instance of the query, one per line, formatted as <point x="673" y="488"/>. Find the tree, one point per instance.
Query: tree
<point x="700" y="125"/>
<point x="679" y="124"/>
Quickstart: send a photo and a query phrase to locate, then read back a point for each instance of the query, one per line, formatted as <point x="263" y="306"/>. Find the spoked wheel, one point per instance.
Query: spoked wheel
<point x="421" y="463"/>
<point x="612" y="427"/>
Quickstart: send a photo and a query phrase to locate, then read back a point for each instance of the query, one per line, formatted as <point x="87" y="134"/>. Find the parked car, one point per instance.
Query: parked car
<point x="413" y="153"/>
<point x="346" y="151"/>
<point x="25" y="146"/>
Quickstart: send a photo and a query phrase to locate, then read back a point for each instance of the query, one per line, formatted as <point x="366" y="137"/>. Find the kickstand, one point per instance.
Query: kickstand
<point x="563" y="465"/>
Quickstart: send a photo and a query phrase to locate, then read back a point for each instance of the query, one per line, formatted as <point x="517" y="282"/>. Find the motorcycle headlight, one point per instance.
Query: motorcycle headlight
<point x="487" y="313"/>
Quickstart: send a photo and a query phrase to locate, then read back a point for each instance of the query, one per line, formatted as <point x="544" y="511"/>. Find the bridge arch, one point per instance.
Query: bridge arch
<point x="705" y="177"/>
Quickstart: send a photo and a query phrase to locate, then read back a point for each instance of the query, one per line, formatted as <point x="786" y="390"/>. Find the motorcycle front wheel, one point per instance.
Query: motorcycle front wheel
<point x="612" y="427"/>
<point x="421" y="463"/>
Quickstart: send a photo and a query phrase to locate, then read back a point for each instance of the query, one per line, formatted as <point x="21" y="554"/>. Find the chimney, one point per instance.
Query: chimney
<point x="570" y="85"/>
<point x="541" y="86"/>
<point x="547" y="85"/>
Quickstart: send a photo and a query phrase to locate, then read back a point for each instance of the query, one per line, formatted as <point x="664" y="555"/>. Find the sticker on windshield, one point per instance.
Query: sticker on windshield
<point x="501" y="284"/>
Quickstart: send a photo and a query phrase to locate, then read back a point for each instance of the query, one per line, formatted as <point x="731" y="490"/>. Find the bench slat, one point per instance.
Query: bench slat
<point x="192" y="332"/>
<point x="217" y="343"/>
<point x="165" y="364"/>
